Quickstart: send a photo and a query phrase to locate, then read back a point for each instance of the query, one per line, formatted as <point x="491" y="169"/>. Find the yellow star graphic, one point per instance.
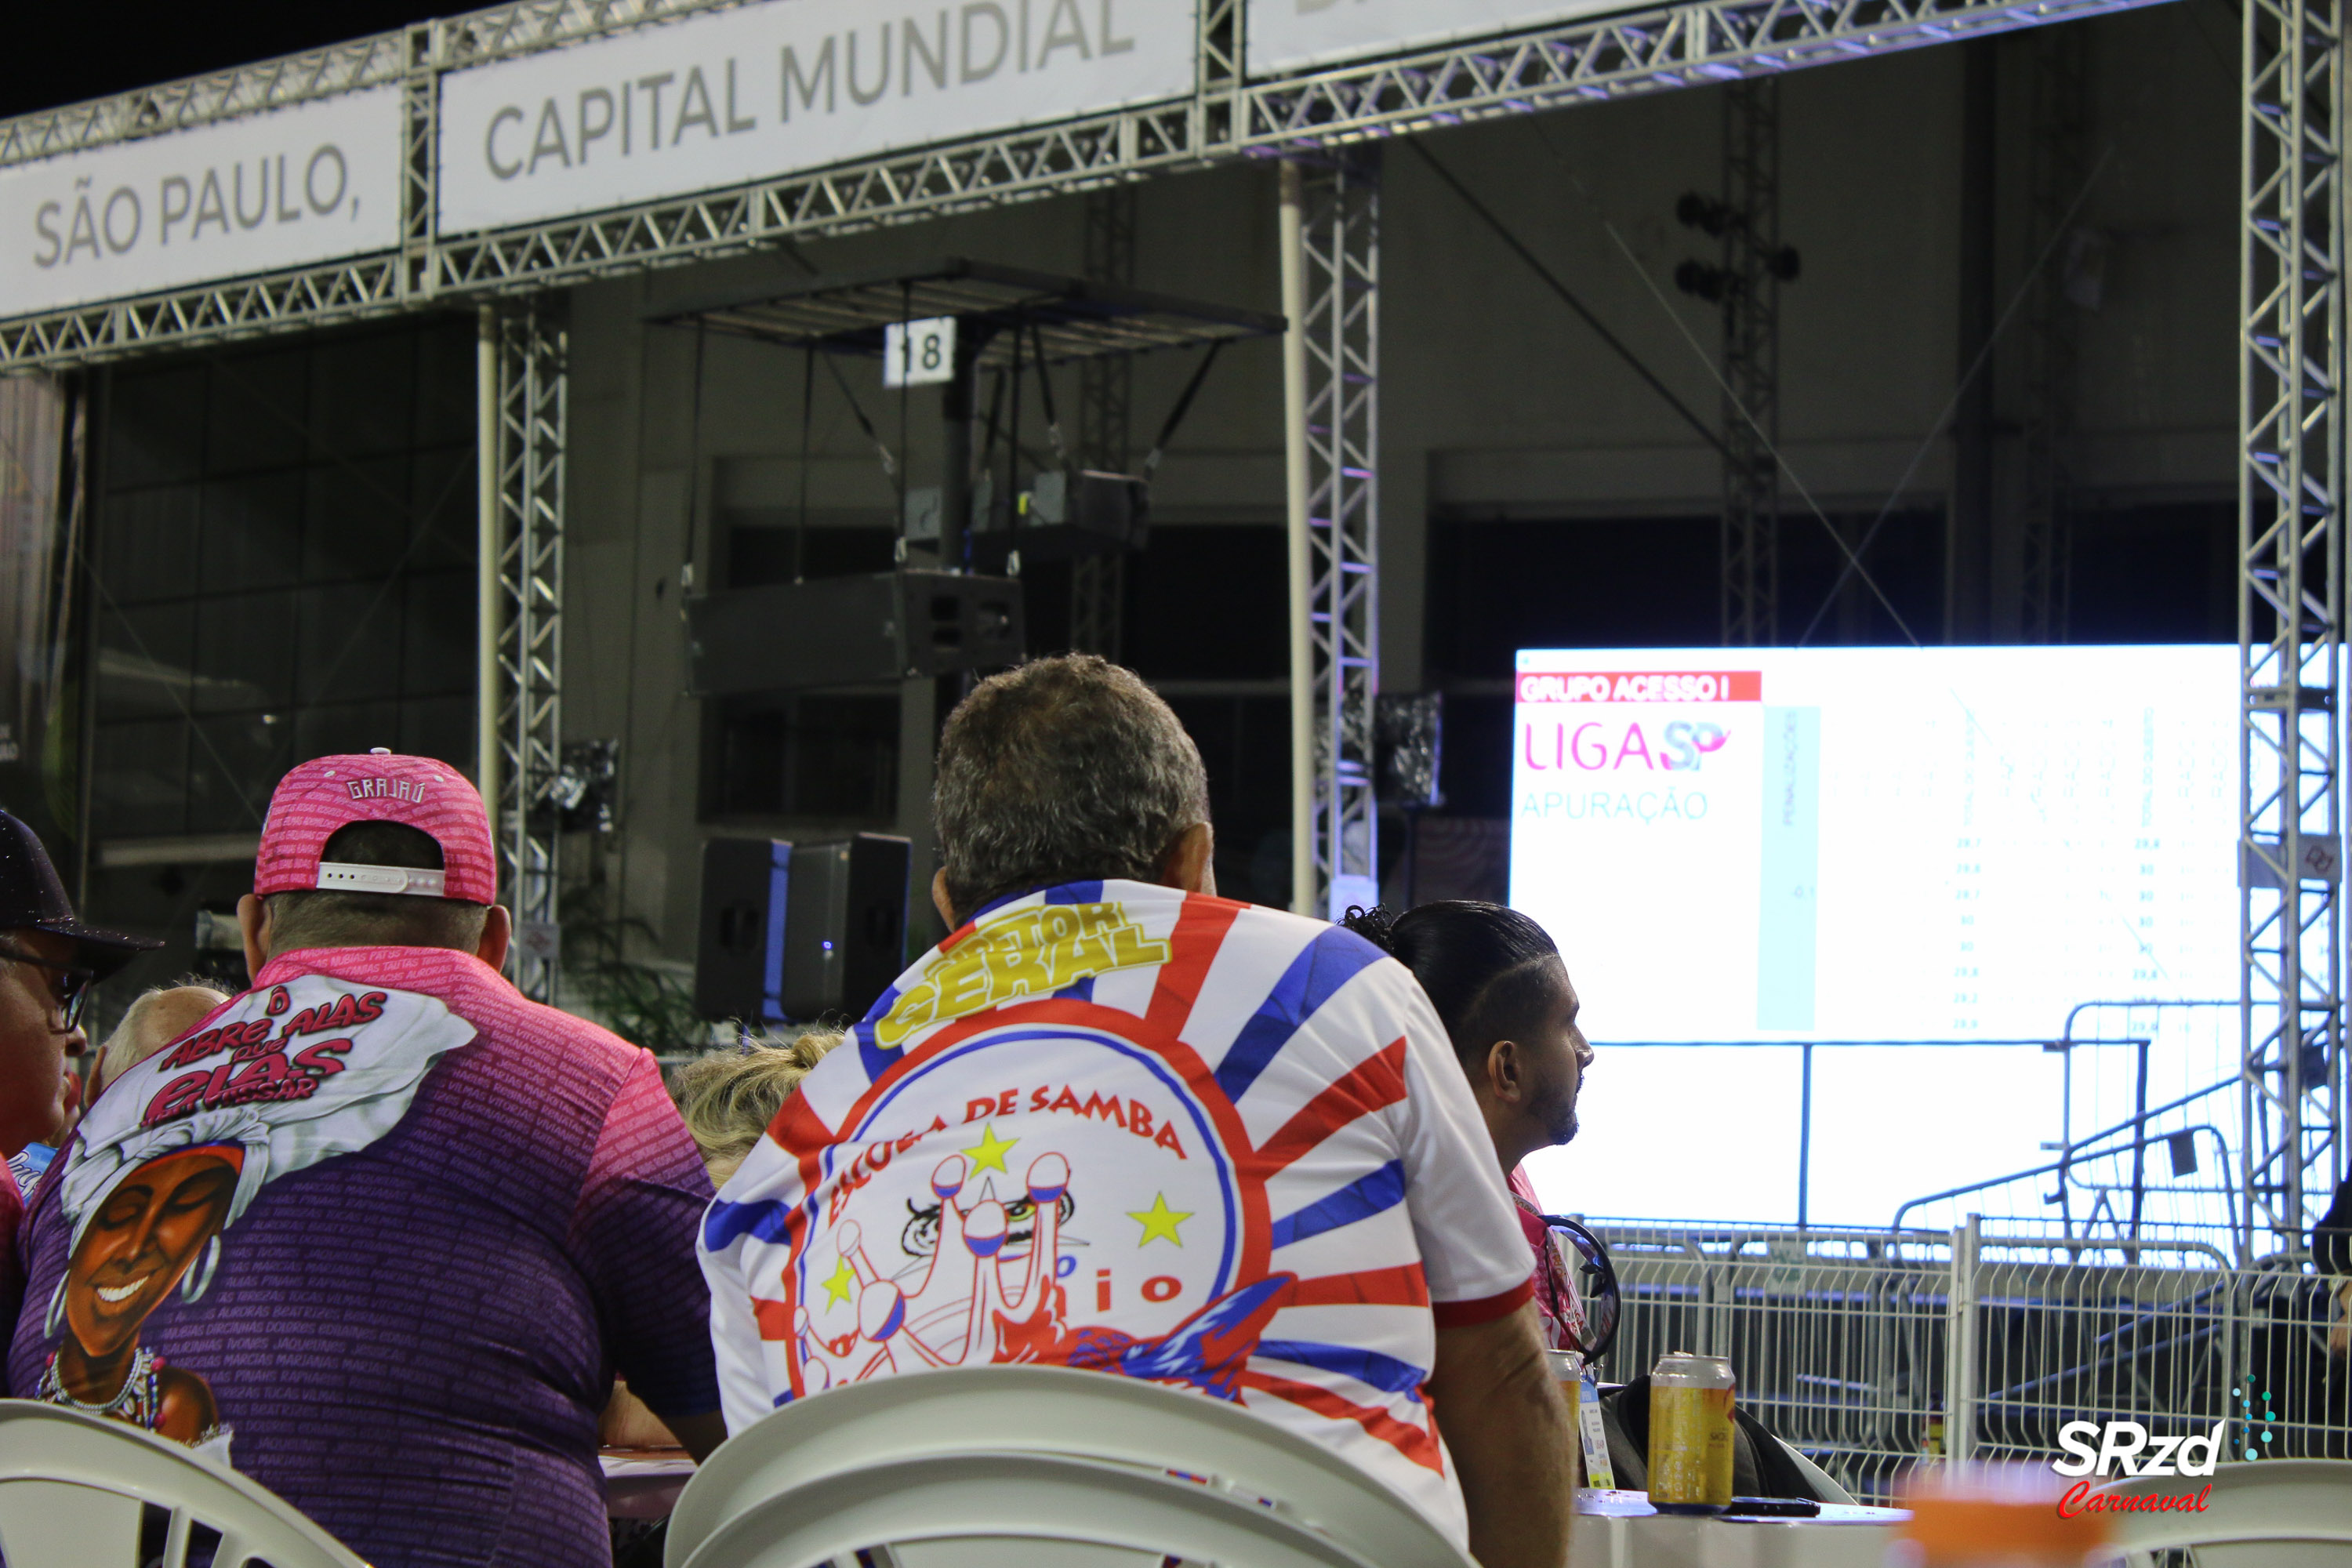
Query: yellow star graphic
<point x="1159" y="1220"/>
<point x="988" y="1154"/>
<point x="836" y="1288"/>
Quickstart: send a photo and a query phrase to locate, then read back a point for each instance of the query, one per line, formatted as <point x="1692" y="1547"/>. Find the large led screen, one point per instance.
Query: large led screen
<point x="1875" y="844"/>
<point x="1937" y="849"/>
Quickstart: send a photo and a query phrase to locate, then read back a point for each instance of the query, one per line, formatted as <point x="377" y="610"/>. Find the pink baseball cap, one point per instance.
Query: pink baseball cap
<point x="326" y="794"/>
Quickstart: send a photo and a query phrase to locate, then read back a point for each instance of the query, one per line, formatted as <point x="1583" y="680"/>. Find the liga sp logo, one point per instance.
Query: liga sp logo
<point x="2099" y="1450"/>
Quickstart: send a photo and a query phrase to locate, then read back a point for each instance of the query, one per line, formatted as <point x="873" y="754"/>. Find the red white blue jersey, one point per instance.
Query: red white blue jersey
<point x="1116" y="1126"/>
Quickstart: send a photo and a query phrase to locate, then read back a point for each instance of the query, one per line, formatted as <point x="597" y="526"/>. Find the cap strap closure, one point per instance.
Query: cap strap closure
<point x="344" y="878"/>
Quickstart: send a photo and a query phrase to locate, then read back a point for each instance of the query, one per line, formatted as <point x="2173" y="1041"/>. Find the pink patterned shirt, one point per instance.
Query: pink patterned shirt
<point x="384" y="1231"/>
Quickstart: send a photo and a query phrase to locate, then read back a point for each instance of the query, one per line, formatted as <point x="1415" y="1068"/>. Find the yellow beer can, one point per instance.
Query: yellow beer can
<point x="1567" y="1369"/>
<point x="1691" y="1401"/>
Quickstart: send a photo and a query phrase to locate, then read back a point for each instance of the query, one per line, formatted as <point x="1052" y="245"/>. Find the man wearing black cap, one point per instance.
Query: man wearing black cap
<point x="49" y="962"/>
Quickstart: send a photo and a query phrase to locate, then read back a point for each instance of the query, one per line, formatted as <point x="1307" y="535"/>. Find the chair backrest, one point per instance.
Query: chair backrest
<point x="1105" y="1423"/>
<point x="79" y="1492"/>
<point x="1825" y="1486"/>
<point x="2294" y="1513"/>
<point x="1013" y="1510"/>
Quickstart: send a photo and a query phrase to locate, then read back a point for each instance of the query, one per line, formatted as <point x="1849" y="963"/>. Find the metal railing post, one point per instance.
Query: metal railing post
<point x="1960" y="1341"/>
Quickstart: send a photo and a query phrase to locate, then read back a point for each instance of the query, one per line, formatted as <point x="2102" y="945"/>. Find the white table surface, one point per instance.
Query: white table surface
<point x="1620" y="1529"/>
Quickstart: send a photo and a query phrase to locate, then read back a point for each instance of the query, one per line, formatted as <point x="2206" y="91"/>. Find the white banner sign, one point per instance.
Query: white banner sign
<point x="768" y="88"/>
<point x="1285" y="35"/>
<point x="283" y="189"/>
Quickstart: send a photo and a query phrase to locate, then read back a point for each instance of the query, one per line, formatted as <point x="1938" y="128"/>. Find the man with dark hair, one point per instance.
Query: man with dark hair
<point x="380" y="1231"/>
<point x="1499" y="987"/>
<point x="1069" y="768"/>
<point x="49" y="962"/>
<point x="1114" y="1121"/>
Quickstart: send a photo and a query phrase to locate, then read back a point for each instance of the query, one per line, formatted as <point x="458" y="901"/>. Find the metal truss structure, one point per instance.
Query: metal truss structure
<point x="1340" y="250"/>
<point x="2289" y="612"/>
<point x="1224" y="118"/>
<point x="2293" y="418"/>
<point x="2058" y="145"/>
<point x="1751" y="363"/>
<point x="531" y="348"/>
<point x="1105" y="403"/>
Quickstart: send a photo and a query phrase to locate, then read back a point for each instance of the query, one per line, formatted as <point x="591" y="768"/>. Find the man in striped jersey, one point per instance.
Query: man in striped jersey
<point x="1115" y="1121"/>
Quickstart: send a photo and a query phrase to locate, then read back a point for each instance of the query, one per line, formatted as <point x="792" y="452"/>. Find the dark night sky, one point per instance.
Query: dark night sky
<point x="58" y="51"/>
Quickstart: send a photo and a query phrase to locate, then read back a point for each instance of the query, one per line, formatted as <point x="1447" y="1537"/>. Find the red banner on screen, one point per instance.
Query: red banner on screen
<point x="1644" y="686"/>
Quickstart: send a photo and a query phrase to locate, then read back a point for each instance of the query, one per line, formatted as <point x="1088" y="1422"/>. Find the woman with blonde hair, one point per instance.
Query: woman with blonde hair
<point x="727" y="1100"/>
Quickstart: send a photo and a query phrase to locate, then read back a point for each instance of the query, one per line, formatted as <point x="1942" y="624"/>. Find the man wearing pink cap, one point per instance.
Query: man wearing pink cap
<point x="379" y="1232"/>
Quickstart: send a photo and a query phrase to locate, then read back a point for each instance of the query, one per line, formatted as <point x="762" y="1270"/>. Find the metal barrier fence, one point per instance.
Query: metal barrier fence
<point x="1871" y="1349"/>
<point x="2151" y="1125"/>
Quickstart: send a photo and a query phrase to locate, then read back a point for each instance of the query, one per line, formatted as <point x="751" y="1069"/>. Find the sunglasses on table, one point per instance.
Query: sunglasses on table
<point x="1596" y="1282"/>
<point x="69" y="995"/>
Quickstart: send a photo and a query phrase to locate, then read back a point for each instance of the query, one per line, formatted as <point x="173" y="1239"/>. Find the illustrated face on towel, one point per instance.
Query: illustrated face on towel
<point x="179" y="1147"/>
<point x="141" y="1242"/>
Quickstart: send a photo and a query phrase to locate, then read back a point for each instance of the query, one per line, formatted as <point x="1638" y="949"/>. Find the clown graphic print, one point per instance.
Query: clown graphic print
<point x="166" y="1161"/>
<point x="1158" y="1135"/>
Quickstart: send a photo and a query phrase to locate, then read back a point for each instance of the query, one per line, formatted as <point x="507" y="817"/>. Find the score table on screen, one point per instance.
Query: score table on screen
<point x="1877" y="844"/>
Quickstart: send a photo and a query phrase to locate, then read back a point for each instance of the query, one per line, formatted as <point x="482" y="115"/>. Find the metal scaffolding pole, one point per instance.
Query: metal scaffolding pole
<point x="2059" y="149"/>
<point x="490" y="531"/>
<point x="1106" y="396"/>
<point x="529" y="352"/>
<point x="1331" y="293"/>
<point x="1299" y="551"/>
<point x="2290" y="620"/>
<point x="1751" y="363"/>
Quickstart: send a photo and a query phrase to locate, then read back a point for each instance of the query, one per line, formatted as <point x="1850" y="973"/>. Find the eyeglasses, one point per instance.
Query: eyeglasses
<point x="1596" y="1283"/>
<point x="72" y="992"/>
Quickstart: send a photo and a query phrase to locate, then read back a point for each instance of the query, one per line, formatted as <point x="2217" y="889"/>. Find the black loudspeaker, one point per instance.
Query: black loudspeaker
<point x="739" y="958"/>
<point x="791" y="934"/>
<point x="1064" y="515"/>
<point x="846" y="932"/>
<point x="850" y="631"/>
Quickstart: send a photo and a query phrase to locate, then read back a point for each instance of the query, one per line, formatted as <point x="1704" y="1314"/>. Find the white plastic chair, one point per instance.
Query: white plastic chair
<point x="1825" y="1485"/>
<point x="1040" y="1466"/>
<point x="1014" y="1511"/>
<point x="75" y="1491"/>
<point x="2274" y="1513"/>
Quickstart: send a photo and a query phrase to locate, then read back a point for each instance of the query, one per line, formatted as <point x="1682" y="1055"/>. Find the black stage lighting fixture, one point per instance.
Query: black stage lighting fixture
<point x="1409" y="736"/>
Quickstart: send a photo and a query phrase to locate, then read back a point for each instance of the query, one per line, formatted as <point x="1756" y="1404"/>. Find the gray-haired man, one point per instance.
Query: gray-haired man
<point x="1115" y="1121"/>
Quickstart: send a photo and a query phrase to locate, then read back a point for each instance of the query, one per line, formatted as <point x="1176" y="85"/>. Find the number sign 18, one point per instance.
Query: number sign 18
<point x="919" y="353"/>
